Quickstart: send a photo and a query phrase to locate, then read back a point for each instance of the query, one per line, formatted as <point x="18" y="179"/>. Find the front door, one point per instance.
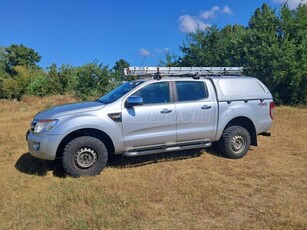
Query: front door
<point x="154" y="122"/>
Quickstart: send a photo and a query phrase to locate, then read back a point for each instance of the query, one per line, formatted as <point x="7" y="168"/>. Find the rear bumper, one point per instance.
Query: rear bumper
<point x="43" y="146"/>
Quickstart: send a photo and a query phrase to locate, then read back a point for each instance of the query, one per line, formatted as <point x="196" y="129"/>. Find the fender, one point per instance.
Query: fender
<point x="233" y="110"/>
<point x="94" y="120"/>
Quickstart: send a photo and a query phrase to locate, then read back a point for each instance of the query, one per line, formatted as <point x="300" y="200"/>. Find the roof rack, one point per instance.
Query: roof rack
<point x="195" y="72"/>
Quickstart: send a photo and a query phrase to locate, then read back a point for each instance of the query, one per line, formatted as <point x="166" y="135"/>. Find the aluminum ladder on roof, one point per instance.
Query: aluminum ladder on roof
<point x="194" y="72"/>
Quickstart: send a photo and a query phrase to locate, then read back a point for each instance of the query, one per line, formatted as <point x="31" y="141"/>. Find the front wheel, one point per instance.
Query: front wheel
<point x="235" y="142"/>
<point x="84" y="156"/>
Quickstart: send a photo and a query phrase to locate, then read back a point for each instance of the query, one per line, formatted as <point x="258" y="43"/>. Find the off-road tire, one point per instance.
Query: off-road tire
<point x="84" y="156"/>
<point x="235" y="142"/>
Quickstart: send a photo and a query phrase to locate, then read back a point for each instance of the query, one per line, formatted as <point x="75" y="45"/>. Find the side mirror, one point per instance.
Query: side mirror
<point x="133" y="101"/>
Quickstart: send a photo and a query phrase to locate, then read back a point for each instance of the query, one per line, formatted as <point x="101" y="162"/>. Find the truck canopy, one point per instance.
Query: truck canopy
<point x="240" y="88"/>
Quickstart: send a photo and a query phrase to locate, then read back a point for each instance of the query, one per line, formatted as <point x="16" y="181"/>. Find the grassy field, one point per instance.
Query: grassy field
<point x="267" y="189"/>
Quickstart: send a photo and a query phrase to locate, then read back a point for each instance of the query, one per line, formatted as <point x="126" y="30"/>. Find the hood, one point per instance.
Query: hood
<point x="57" y="111"/>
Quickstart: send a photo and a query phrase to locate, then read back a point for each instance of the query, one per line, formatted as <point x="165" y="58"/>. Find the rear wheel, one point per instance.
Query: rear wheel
<point x="235" y="142"/>
<point x="84" y="156"/>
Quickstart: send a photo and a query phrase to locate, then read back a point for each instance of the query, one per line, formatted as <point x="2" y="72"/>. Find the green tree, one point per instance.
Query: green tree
<point x="170" y="60"/>
<point x="297" y="33"/>
<point x="68" y="78"/>
<point x="264" y="19"/>
<point x="17" y="69"/>
<point x="15" y="87"/>
<point x="203" y="48"/>
<point x="213" y="47"/>
<point x="42" y="85"/>
<point x="262" y="49"/>
<point x="91" y="80"/>
<point x="55" y="81"/>
<point x="117" y="72"/>
<point x="2" y="62"/>
<point x="20" y="55"/>
<point x="273" y="48"/>
<point x="120" y="65"/>
<point x="3" y="77"/>
<point x="3" y="74"/>
<point x="274" y="53"/>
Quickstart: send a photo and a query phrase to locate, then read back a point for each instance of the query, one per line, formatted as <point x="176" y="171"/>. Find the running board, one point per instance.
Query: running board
<point x="166" y="149"/>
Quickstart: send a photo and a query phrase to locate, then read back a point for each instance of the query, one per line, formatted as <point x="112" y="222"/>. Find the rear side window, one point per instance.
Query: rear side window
<point x="155" y="93"/>
<point x="191" y="90"/>
<point x="242" y="87"/>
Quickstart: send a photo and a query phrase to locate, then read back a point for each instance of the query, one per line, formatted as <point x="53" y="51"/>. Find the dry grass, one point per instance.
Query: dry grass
<point x="265" y="190"/>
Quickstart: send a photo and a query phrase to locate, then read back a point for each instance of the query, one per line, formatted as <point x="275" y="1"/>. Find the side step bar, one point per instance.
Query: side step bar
<point x="166" y="149"/>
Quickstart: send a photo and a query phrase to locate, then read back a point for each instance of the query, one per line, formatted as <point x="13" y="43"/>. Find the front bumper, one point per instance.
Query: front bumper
<point x="43" y="146"/>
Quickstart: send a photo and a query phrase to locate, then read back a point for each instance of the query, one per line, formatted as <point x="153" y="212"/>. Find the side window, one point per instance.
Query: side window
<point x="155" y="93"/>
<point x="191" y="90"/>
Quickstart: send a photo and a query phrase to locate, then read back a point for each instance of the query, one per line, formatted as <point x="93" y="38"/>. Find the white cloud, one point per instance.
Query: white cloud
<point x="158" y="51"/>
<point x="291" y="3"/>
<point x="214" y="11"/>
<point x="227" y="10"/>
<point x="189" y="24"/>
<point x="154" y="53"/>
<point x="209" y="13"/>
<point x="144" y="52"/>
<point x="215" y="8"/>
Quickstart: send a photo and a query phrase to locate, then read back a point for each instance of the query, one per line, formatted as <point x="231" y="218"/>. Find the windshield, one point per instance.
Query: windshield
<point x="119" y="92"/>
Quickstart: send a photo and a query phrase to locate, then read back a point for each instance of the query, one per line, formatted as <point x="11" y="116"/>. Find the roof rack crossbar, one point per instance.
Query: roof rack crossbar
<point x="184" y="71"/>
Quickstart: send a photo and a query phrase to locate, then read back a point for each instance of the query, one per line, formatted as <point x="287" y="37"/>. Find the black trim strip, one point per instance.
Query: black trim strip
<point x="258" y="99"/>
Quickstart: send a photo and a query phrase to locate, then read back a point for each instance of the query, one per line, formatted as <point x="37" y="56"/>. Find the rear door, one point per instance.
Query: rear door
<point x="196" y="110"/>
<point x="154" y="122"/>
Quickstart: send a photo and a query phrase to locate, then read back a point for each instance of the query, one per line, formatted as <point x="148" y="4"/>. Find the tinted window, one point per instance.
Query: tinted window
<point x="191" y="90"/>
<point x="154" y="93"/>
<point x="119" y="92"/>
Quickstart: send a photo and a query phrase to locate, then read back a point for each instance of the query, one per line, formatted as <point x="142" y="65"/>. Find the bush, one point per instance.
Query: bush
<point x="13" y="87"/>
<point x="90" y="81"/>
<point x="42" y="86"/>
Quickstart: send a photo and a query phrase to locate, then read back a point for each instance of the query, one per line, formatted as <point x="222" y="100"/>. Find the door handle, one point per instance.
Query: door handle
<point x="166" y="111"/>
<point x="206" y="107"/>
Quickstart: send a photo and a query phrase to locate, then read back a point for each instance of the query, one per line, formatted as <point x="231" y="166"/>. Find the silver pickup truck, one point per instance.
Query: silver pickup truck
<point x="165" y="111"/>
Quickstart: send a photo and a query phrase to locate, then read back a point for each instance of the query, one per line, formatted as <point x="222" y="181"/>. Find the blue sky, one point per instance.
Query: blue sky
<point x="77" y="32"/>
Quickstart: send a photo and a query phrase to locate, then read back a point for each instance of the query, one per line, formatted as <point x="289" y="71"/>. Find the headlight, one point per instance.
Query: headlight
<point x="44" y="125"/>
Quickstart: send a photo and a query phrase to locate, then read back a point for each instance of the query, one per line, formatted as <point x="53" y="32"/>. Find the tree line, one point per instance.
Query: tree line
<point x="20" y="75"/>
<point x="273" y="48"/>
